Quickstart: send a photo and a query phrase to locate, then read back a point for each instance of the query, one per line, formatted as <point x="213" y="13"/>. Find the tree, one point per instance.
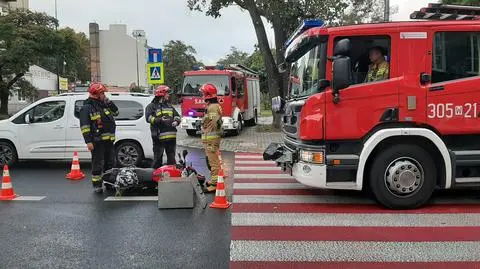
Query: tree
<point x="179" y="57"/>
<point x="72" y="56"/>
<point x="284" y="16"/>
<point x="26" y="37"/>
<point x="234" y="57"/>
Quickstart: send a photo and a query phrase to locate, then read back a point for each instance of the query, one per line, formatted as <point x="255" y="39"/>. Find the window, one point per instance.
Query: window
<point x="192" y="84"/>
<point x="44" y="112"/>
<point x="360" y="57"/>
<point x="240" y="87"/>
<point x="455" y="56"/>
<point x="128" y="110"/>
<point x="306" y="72"/>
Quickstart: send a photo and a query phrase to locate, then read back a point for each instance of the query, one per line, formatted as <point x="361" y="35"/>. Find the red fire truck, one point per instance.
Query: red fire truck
<point x="238" y="94"/>
<point x="401" y="137"/>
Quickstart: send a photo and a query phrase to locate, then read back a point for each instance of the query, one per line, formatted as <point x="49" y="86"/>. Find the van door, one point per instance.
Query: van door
<point x="453" y="105"/>
<point x="74" y="138"/>
<point x="41" y="130"/>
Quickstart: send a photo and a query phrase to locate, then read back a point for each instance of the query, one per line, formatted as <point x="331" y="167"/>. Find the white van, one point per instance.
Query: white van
<point x="49" y="129"/>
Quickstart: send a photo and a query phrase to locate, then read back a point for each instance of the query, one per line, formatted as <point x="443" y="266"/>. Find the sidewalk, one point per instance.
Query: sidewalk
<point x="250" y="140"/>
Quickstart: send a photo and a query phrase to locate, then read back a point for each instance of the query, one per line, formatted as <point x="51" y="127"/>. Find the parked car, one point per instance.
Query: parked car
<point x="49" y="129"/>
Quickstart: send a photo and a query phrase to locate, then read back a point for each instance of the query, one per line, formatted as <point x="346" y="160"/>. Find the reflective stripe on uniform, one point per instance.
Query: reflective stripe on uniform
<point x="167" y="135"/>
<point x="151" y="119"/>
<point x="85" y="129"/>
<point x="108" y="136"/>
<point x="96" y="178"/>
<point x="164" y="113"/>
<point x="95" y="116"/>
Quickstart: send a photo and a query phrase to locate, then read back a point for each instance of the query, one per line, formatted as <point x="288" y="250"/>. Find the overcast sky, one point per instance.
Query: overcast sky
<point x="165" y="20"/>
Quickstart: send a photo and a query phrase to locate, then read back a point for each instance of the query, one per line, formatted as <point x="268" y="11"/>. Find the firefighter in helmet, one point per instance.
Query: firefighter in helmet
<point x="163" y="120"/>
<point x="97" y="124"/>
<point x="211" y="129"/>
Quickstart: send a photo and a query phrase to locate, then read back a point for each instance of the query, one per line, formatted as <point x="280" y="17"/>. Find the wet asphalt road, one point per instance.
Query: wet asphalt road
<point x="75" y="228"/>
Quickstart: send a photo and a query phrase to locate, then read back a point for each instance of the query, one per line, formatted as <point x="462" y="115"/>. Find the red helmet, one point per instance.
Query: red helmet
<point x="209" y="91"/>
<point x="162" y="90"/>
<point x="96" y="88"/>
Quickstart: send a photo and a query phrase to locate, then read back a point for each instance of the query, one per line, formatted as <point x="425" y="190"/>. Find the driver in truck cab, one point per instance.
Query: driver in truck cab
<point x="378" y="70"/>
<point x="97" y="124"/>
<point x="211" y="128"/>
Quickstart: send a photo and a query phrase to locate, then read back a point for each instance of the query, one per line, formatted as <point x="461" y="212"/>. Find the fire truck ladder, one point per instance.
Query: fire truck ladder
<point x="242" y="68"/>
<point x="446" y="12"/>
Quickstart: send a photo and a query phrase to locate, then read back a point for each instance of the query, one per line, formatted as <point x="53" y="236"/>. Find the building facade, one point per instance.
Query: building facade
<point x="118" y="58"/>
<point x="5" y="5"/>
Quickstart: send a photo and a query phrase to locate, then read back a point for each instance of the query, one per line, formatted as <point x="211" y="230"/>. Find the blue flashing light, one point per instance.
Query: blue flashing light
<point x="307" y="24"/>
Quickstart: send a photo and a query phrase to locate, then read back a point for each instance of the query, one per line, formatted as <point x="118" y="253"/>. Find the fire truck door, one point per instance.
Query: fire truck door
<point x="453" y="97"/>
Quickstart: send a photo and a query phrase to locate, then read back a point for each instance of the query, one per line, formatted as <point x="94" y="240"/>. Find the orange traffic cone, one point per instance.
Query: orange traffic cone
<point x="75" y="173"/>
<point x="220" y="194"/>
<point x="7" y="189"/>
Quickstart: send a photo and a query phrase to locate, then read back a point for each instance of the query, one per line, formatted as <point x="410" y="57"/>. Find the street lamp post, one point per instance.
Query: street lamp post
<point x="137" y="34"/>
<point x="57" y="59"/>
<point x="387" y="11"/>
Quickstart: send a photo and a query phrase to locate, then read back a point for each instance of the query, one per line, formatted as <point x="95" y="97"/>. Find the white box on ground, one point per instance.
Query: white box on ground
<point x="175" y="193"/>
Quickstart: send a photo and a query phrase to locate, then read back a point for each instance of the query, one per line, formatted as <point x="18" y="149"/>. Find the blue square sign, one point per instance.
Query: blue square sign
<point x="155" y="56"/>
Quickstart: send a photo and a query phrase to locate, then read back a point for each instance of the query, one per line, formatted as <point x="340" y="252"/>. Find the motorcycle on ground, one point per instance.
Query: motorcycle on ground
<point x="120" y="180"/>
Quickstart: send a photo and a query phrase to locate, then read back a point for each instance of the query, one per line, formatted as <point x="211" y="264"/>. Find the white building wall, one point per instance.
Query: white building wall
<point x="118" y="63"/>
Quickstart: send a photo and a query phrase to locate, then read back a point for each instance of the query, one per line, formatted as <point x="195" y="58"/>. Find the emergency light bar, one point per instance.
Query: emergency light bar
<point x="307" y="24"/>
<point x="446" y="12"/>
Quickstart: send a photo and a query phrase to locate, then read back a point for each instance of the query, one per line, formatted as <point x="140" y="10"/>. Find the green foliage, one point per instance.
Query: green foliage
<point x="234" y="57"/>
<point x="26" y="37"/>
<point x="179" y="57"/>
<point x="23" y="88"/>
<point x="137" y="89"/>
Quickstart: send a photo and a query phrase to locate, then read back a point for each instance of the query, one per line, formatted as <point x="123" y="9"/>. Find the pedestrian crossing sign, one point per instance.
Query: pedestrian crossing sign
<point x="155" y="73"/>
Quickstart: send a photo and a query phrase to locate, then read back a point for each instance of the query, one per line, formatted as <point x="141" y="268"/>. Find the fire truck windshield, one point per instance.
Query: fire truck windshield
<point x="307" y="71"/>
<point x="192" y="84"/>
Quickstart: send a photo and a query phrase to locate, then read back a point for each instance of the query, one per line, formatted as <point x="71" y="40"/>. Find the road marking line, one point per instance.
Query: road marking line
<point x="353" y="251"/>
<point x="263" y="176"/>
<point x="283" y="186"/>
<point x="29" y="198"/>
<point x="256" y="162"/>
<point x="358" y="220"/>
<point x="257" y="168"/>
<point x="302" y="199"/>
<point x="259" y="157"/>
<point x="131" y="198"/>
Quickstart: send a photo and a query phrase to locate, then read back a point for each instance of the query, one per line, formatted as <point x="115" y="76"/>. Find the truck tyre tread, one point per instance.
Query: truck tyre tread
<point x="380" y="165"/>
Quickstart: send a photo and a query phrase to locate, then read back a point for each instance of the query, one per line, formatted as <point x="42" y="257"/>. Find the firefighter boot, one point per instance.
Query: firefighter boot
<point x="97" y="184"/>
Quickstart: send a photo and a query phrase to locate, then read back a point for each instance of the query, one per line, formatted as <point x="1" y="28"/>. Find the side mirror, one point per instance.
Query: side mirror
<point x="27" y="119"/>
<point x="277" y="104"/>
<point x="341" y="76"/>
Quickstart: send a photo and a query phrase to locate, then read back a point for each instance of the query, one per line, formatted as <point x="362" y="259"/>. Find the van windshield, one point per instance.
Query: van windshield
<point x="307" y="71"/>
<point x="192" y="84"/>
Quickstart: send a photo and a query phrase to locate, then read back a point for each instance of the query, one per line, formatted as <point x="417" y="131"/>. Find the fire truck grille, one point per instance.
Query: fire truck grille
<point x="201" y="110"/>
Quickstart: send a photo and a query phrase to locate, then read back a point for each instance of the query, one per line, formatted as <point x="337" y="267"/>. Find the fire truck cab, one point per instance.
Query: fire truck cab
<point x="401" y="136"/>
<point x="238" y="94"/>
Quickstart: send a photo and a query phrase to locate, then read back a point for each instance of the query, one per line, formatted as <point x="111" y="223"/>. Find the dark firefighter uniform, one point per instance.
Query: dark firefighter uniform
<point x="163" y="119"/>
<point x="97" y="124"/>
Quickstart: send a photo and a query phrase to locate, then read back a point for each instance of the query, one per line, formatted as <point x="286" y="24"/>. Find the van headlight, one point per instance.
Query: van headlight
<point x="315" y="157"/>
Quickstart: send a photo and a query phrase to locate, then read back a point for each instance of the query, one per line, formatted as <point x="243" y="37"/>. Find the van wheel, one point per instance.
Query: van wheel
<point x="8" y="154"/>
<point x="403" y="177"/>
<point x="253" y="121"/>
<point x="191" y="132"/>
<point x="128" y="154"/>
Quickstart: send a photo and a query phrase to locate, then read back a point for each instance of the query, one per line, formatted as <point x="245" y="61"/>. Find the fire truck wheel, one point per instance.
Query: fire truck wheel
<point x="403" y="176"/>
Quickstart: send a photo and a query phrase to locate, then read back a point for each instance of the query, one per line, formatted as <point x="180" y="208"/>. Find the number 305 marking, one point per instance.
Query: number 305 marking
<point x="449" y="110"/>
